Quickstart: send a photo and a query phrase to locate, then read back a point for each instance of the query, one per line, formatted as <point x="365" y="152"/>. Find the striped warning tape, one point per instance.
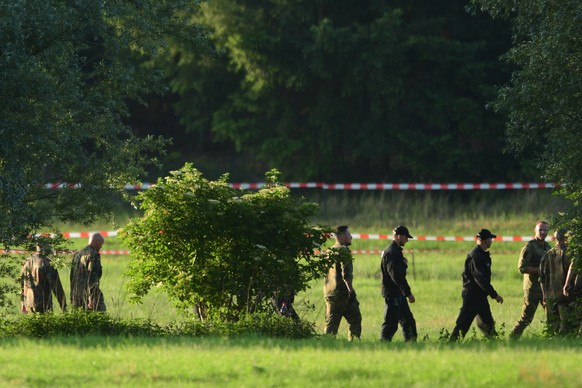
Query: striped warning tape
<point x="355" y="236"/>
<point x="357" y="186"/>
<point x="370" y="236"/>
<point x="121" y="252"/>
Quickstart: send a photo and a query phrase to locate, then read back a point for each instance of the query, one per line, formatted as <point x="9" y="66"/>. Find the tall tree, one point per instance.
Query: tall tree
<point x="351" y="89"/>
<point x="67" y="70"/>
<point x="543" y="99"/>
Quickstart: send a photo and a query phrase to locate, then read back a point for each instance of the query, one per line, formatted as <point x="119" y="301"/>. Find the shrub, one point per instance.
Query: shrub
<point x="220" y="249"/>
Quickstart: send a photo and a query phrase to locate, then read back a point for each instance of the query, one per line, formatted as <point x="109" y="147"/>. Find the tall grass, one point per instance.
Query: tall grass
<point x="435" y="277"/>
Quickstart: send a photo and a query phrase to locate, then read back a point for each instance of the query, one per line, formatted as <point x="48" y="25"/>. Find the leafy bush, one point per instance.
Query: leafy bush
<point x="220" y="249"/>
<point x="82" y="323"/>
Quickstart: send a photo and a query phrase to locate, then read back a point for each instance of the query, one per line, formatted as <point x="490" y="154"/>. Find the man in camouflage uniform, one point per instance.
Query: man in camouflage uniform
<point x="573" y="291"/>
<point x="86" y="274"/>
<point x="38" y="281"/>
<point x="340" y="297"/>
<point x="553" y="271"/>
<point x="529" y="265"/>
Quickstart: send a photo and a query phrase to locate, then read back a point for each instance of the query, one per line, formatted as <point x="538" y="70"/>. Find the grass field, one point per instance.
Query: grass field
<point x="435" y="277"/>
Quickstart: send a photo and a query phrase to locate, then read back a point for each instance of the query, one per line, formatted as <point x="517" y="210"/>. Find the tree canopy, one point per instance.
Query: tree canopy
<point x="350" y="90"/>
<point x="543" y="99"/>
<point x="67" y="70"/>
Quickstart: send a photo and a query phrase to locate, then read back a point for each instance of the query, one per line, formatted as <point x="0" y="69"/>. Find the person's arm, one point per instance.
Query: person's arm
<point x="569" y="278"/>
<point x="57" y="289"/>
<point x="348" y="275"/>
<point x="95" y="271"/>
<point x="542" y="279"/>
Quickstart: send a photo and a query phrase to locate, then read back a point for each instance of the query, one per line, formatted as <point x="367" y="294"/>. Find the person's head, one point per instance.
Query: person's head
<point x="401" y="235"/>
<point x="485" y="238"/>
<point x="96" y="241"/>
<point x="541" y="230"/>
<point x="561" y="237"/>
<point x="343" y="235"/>
<point x="44" y="248"/>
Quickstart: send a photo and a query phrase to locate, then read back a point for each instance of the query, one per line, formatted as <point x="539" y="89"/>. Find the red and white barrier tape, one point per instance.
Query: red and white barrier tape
<point x="356" y="236"/>
<point x="358" y="186"/>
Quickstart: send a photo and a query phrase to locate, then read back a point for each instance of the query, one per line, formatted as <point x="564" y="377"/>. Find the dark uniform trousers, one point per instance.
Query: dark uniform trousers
<point x="342" y="306"/>
<point x="474" y="306"/>
<point x="397" y="310"/>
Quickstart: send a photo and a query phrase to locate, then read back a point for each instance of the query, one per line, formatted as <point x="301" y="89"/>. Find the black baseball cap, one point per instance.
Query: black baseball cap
<point x="484" y="234"/>
<point x="403" y="230"/>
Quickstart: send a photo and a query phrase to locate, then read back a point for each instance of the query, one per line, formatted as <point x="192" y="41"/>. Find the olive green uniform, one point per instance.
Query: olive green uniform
<point x="86" y="274"/>
<point x="339" y="302"/>
<point x="530" y="256"/>
<point x="553" y="270"/>
<point x="39" y="280"/>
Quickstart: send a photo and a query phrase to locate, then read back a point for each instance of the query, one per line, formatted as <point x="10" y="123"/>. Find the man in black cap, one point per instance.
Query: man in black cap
<point x="476" y="287"/>
<point x="395" y="289"/>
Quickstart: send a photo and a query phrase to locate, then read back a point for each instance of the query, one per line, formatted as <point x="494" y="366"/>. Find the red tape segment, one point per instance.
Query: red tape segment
<point x="356" y="186"/>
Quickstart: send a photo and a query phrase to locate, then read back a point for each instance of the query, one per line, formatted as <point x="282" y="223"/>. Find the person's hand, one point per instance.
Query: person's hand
<point x="23" y="308"/>
<point x="566" y="291"/>
<point x="411" y="298"/>
<point x="352" y="296"/>
<point x="499" y="299"/>
<point x="544" y="301"/>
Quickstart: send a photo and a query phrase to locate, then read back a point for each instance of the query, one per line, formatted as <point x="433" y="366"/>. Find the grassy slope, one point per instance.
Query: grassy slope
<point x="327" y="362"/>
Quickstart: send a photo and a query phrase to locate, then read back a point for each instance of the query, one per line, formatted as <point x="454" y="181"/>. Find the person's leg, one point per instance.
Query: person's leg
<point x="391" y="317"/>
<point x="464" y="320"/>
<point x="334" y="311"/>
<point x="354" y="318"/>
<point x="485" y="321"/>
<point x="407" y="322"/>
<point x="531" y="300"/>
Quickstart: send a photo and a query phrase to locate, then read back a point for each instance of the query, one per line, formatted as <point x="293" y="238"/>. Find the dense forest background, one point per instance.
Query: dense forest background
<point x="338" y="91"/>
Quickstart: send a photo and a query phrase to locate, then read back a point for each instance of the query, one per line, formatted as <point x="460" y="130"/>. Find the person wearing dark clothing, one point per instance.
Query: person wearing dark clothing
<point x="476" y="288"/>
<point x="396" y="290"/>
<point x="283" y="304"/>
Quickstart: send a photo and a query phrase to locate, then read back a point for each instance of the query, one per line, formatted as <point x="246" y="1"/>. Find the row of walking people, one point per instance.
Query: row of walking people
<point x="550" y="281"/>
<point x="39" y="280"/>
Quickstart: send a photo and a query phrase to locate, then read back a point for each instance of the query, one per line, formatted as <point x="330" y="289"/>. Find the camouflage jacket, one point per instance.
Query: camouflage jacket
<point x="553" y="270"/>
<point x="39" y="280"/>
<point x="337" y="275"/>
<point x="531" y="256"/>
<point x="86" y="274"/>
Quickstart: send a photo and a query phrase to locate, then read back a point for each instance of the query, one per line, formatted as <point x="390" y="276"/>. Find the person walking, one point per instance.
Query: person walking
<point x="553" y="270"/>
<point x="86" y="272"/>
<point x="573" y="291"/>
<point x="340" y="296"/>
<point x="39" y="280"/>
<point x="529" y="265"/>
<point x="476" y="288"/>
<point x="396" y="290"/>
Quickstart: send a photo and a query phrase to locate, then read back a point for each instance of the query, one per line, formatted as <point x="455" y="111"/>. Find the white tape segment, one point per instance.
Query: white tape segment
<point x="356" y="236"/>
<point x="358" y="186"/>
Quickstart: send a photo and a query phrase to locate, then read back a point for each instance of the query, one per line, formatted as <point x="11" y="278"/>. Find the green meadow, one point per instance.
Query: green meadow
<point x="435" y="277"/>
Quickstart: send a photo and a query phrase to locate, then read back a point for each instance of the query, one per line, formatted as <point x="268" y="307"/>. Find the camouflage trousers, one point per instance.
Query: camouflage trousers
<point x="531" y="300"/>
<point x="342" y="306"/>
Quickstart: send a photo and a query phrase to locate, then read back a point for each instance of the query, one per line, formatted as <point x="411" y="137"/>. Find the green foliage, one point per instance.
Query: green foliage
<point x="221" y="249"/>
<point x="83" y="323"/>
<point x="348" y="91"/>
<point x="543" y="99"/>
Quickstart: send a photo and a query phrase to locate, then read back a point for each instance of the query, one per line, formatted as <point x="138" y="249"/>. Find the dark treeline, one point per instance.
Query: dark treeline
<point x="336" y="91"/>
